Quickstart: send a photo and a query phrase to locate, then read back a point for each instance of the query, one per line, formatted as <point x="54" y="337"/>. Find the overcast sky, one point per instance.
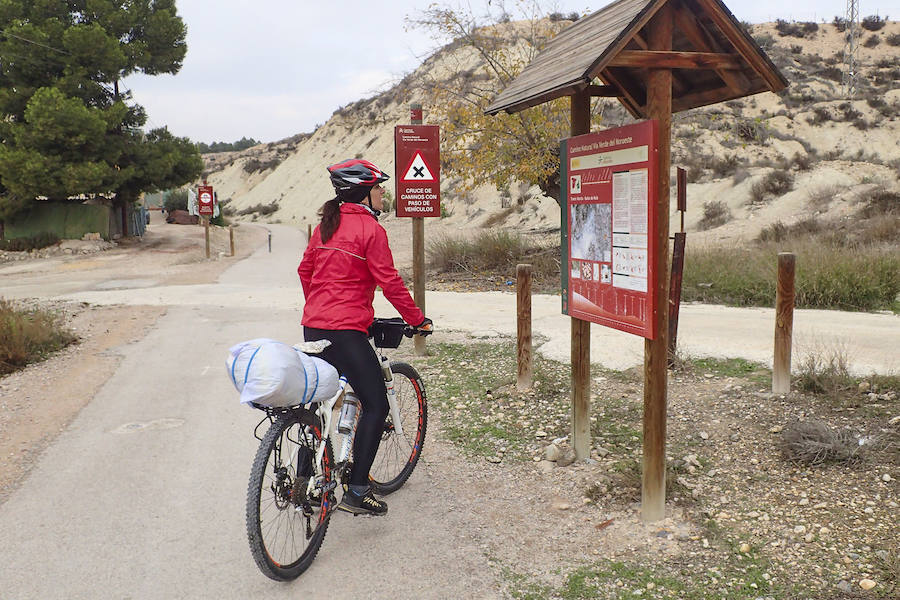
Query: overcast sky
<point x="268" y="69"/>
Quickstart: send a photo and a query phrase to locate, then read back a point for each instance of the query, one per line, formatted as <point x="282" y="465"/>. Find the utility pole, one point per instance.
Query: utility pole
<point x="851" y="50"/>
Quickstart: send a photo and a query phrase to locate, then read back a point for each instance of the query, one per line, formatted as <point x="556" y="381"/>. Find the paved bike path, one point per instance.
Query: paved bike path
<point x="868" y="341"/>
<point x="142" y="496"/>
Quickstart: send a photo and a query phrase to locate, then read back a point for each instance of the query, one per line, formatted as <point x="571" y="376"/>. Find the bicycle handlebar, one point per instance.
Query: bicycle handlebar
<point x="410" y="331"/>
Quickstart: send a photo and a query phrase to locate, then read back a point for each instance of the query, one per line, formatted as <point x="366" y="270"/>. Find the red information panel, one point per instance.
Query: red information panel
<point x="417" y="158"/>
<point x="609" y="191"/>
<point x="205" y="200"/>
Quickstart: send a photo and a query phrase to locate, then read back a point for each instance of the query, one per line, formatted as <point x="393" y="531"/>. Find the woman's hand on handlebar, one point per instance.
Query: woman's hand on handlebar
<point x="424" y="328"/>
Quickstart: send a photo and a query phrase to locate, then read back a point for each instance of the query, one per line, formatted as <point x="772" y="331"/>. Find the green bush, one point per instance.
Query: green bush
<point x="35" y="242"/>
<point x="175" y="200"/>
<point x="28" y="336"/>
<point x="873" y="22"/>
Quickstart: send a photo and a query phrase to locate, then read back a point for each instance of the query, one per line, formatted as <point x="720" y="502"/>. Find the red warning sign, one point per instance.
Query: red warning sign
<point x="205" y="201"/>
<point x="417" y="159"/>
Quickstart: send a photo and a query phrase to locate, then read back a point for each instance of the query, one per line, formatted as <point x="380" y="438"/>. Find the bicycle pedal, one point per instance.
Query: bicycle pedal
<point x="330" y="486"/>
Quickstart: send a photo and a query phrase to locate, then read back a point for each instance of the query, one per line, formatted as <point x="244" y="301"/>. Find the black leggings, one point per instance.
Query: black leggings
<point x="353" y="356"/>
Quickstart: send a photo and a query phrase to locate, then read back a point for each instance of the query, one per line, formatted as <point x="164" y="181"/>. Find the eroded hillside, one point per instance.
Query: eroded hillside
<point x="754" y="162"/>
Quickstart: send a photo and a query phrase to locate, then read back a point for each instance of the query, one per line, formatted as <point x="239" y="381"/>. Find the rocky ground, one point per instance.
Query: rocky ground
<point x="742" y="521"/>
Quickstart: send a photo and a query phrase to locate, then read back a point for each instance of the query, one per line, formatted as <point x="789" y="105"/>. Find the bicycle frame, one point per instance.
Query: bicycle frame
<point x="325" y="411"/>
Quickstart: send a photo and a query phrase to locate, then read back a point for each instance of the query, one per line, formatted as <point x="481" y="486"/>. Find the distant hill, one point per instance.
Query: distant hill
<point x="828" y="153"/>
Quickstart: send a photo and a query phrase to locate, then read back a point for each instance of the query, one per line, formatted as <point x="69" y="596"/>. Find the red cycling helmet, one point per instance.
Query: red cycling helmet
<point x="356" y="173"/>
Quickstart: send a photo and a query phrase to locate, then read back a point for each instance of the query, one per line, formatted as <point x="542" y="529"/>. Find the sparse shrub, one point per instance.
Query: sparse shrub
<point x="255" y="165"/>
<point x="796" y="49"/>
<point x="832" y="73"/>
<point x="776" y="183"/>
<point x="778" y="232"/>
<point x="715" y="213"/>
<point x="26" y="244"/>
<point x="860" y="124"/>
<point x="820" y="198"/>
<point x="725" y="166"/>
<point x="764" y="41"/>
<point x="893" y="39"/>
<point x="881" y="202"/>
<point x="872" y="41"/>
<point x="873" y="22"/>
<point x="739" y="176"/>
<point x="494" y="250"/>
<point x="795" y="29"/>
<point x="814" y="443"/>
<point x="28" y="336"/>
<point x="556" y="16"/>
<point x="849" y="112"/>
<point x="751" y="130"/>
<point x="840" y="24"/>
<point x="803" y="162"/>
<point x="260" y="209"/>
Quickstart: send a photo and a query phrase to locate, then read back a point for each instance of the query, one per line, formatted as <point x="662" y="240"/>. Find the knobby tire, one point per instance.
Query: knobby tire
<point x="277" y="533"/>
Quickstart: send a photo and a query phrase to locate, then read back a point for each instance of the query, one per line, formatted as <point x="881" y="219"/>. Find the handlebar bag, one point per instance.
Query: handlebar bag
<point x="272" y="373"/>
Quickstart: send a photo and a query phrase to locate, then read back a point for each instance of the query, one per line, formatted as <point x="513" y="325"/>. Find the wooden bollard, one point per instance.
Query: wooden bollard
<point x="206" y="228"/>
<point x="784" y="324"/>
<point x="231" y="238"/>
<point x="523" y="327"/>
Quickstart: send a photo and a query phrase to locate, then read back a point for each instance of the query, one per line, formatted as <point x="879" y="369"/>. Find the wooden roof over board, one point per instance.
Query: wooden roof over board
<point x="713" y="59"/>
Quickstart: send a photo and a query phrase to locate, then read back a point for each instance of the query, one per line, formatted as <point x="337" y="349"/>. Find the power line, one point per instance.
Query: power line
<point x="26" y="40"/>
<point x="851" y="49"/>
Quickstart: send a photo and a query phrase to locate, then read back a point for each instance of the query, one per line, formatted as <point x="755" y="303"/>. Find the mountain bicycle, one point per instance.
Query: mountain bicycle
<point x="294" y="478"/>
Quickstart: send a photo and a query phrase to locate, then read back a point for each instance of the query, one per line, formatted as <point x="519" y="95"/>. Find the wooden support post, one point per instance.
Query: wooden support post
<point x="523" y="327"/>
<point x="784" y="324"/>
<point x="308" y="232"/>
<point x="659" y="107"/>
<point x="206" y="230"/>
<point x="418" y="248"/>
<point x="675" y="294"/>
<point x="581" y="330"/>
<point x="231" y="238"/>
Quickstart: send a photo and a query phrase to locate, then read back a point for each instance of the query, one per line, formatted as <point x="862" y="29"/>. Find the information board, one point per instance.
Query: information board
<point x="608" y="202"/>
<point x="417" y="160"/>
<point x="205" y="201"/>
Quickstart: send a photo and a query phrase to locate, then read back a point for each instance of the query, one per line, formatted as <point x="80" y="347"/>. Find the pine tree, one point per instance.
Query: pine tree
<point x="66" y="127"/>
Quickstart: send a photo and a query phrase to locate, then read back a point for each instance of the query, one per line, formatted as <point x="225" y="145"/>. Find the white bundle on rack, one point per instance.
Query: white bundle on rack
<point x="272" y="373"/>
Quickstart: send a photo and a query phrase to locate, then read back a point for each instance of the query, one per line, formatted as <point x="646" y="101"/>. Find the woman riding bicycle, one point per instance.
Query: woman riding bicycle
<point x="347" y="257"/>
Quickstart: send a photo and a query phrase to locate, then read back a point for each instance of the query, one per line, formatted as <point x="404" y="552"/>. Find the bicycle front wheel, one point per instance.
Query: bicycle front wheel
<point x="398" y="455"/>
<point x="285" y="523"/>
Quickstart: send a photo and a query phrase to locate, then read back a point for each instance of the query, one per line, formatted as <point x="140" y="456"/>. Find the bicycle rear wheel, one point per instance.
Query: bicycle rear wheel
<point x="285" y="525"/>
<point x="398" y="455"/>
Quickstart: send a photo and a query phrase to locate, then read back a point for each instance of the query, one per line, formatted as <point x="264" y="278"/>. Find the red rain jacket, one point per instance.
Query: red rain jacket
<point x="339" y="277"/>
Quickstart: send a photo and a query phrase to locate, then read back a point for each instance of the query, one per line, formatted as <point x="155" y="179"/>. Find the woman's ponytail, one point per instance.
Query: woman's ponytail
<point x="331" y="218"/>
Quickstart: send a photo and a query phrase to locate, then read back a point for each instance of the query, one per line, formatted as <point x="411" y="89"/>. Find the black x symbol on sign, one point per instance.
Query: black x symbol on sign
<point x="418" y="171"/>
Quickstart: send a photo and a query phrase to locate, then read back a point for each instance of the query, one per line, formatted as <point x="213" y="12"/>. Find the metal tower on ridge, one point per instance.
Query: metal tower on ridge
<point x="851" y="50"/>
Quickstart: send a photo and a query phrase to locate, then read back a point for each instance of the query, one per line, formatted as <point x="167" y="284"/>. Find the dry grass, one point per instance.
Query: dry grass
<point x="814" y="443"/>
<point x="28" y="335"/>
